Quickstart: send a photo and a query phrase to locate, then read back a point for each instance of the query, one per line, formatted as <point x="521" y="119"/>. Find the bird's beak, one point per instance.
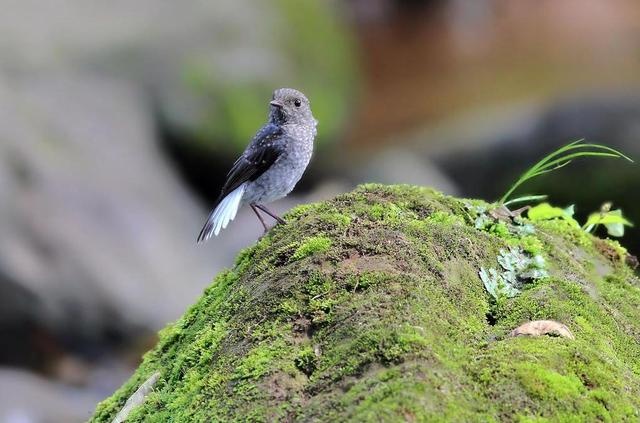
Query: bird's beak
<point x="275" y="103"/>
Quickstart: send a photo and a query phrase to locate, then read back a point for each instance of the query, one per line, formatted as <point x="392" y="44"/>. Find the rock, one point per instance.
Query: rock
<point x="369" y="307"/>
<point x="27" y="398"/>
<point x="201" y="63"/>
<point x="399" y="166"/>
<point x="96" y="228"/>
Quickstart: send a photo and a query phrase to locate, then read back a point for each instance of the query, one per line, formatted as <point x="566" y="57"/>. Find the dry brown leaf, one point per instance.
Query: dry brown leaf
<point x="543" y="327"/>
<point x="503" y="213"/>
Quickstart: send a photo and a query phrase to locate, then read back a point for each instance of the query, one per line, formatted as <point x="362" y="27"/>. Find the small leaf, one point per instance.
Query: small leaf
<point x="615" y="229"/>
<point x="612" y="220"/>
<point x="570" y="211"/>
<point x="615" y="223"/>
<point x="545" y="211"/>
<point x="613" y="216"/>
<point x="482" y="221"/>
<point x="523" y="229"/>
<point x="517" y="269"/>
<point x="490" y="281"/>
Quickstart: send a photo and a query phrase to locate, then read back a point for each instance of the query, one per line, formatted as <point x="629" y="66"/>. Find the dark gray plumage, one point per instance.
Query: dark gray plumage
<point x="271" y="165"/>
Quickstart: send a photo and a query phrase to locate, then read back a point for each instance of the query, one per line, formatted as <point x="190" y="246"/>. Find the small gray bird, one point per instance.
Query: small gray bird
<point x="271" y="165"/>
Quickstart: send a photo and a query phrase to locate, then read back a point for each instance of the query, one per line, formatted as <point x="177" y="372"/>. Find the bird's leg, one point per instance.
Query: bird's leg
<point x="266" y="210"/>
<point x="255" y="210"/>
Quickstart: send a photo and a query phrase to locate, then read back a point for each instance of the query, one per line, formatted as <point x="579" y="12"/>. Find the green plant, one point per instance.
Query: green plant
<point x="546" y="211"/>
<point x="613" y="220"/>
<point x="517" y="269"/>
<point x="556" y="160"/>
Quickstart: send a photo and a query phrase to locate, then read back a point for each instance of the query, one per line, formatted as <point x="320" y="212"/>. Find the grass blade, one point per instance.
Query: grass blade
<point x="526" y="198"/>
<point x="559" y="159"/>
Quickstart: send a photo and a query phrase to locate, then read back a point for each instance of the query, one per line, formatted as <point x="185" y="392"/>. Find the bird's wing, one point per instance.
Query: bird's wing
<point x="264" y="150"/>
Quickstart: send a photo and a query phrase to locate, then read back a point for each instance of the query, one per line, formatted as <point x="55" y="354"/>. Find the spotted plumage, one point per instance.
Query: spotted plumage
<point x="271" y="165"/>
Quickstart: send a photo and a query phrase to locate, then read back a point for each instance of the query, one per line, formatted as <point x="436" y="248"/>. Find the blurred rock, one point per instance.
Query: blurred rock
<point x="426" y="61"/>
<point x="27" y="398"/>
<point x="401" y="166"/>
<point x="209" y="66"/>
<point x="95" y="228"/>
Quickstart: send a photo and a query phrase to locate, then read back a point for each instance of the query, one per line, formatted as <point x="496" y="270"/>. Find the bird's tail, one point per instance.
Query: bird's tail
<point x="224" y="212"/>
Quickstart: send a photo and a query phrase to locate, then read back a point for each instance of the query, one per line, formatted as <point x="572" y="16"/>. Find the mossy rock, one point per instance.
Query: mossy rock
<point x="369" y="307"/>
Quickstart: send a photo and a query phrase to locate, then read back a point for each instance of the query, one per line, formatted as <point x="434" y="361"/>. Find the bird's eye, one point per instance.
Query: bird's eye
<point x="297" y="102"/>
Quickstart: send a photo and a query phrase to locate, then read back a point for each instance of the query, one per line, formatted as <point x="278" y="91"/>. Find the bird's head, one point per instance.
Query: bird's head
<point x="289" y="106"/>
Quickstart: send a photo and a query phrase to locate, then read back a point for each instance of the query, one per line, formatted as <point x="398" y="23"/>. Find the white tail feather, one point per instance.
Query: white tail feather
<point x="225" y="211"/>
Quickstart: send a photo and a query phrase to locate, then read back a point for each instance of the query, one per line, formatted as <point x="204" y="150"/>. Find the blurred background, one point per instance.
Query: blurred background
<point x="120" y="119"/>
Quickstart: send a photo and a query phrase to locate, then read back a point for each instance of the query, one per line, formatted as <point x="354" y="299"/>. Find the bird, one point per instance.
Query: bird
<point x="270" y="166"/>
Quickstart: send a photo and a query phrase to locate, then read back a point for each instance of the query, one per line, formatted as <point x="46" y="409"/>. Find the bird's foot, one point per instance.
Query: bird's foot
<point x="270" y="213"/>
<point x="279" y="221"/>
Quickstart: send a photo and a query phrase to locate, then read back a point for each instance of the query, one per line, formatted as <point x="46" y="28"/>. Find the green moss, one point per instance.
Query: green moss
<point x="569" y="231"/>
<point x="531" y="245"/>
<point x="501" y="230"/>
<point x="612" y="249"/>
<point x="367" y="279"/>
<point x="290" y="307"/>
<point x="369" y="307"/>
<point x="258" y="361"/>
<point x="446" y="218"/>
<point x="302" y="210"/>
<point x="310" y="246"/>
<point x="306" y="360"/>
<point x="545" y="384"/>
